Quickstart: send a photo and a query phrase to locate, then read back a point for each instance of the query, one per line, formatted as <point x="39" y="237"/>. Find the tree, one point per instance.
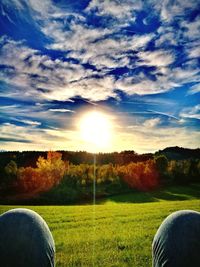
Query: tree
<point x="11" y="172"/>
<point x="162" y="165"/>
<point x="142" y="175"/>
<point x="48" y="173"/>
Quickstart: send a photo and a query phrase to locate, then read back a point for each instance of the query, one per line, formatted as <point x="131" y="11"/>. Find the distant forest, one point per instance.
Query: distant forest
<point x="29" y="158"/>
<point x="67" y="177"/>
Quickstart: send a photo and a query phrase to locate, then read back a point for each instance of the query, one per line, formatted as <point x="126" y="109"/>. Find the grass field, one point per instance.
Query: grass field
<point x="117" y="231"/>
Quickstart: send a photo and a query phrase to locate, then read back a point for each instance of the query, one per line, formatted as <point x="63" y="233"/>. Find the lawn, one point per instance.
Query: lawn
<point x="116" y="232"/>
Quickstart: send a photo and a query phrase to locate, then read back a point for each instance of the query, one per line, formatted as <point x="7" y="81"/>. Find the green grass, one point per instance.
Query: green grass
<point x="118" y="232"/>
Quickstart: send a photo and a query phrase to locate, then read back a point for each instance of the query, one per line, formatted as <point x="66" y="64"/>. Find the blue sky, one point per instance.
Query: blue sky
<point x="135" y="61"/>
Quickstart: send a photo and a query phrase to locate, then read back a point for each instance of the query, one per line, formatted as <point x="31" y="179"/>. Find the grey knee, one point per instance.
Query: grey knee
<point x="25" y="240"/>
<point x="177" y="241"/>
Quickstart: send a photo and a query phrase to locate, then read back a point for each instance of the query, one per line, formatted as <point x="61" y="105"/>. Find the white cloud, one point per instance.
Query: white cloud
<point x="32" y="71"/>
<point x="142" y="85"/>
<point x="194" y="89"/>
<point x="111" y="53"/>
<point x="38" y="11"/>
<point x="168" y="115"/>
<point x="29" y="122"/>
<point x="91" y="88"/>
<point x="192" y="49"/>
<point x="16" y="3"/>
<point x="39" y="77"/>
<point x="170" y="9"/>
<point x="77" y="38"/>
<point x="167" y="36"/>
<point x="191" y="112"/>
<point x="158" y="58"/>
<point x="33" y="115"/>
<point x="29" y="138"/>
<point x="11" y="131"/>
<point x="166" y="80"/>
<point x="152" y="123"/>
<point x="191" y="29"/>
<point x="182" y="76"/>
<point x="8" y="107"/>
<point x="115" y="8"/>
<point x="143" y="137"/>
<point x="93" y="46"/>
<point x="28" y="61"/>
<point x="149" y="137"/>
<point x="62" y="110"/>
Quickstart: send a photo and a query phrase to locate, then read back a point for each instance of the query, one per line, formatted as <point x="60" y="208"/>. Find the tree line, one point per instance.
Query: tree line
<point x="54" y="179"/>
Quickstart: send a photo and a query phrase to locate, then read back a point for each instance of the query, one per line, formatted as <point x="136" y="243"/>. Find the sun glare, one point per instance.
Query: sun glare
<point x="95" y="130"/>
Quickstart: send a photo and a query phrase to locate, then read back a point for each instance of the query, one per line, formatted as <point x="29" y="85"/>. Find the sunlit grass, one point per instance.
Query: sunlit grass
<point x="123" y="232"/>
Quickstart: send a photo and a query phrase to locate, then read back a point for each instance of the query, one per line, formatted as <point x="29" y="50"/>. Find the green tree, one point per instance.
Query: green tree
<point x="11" y="172"/>
<point x="161" y="165"/>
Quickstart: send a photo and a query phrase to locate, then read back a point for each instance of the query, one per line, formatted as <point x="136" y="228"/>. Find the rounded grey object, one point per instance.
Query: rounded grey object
<point x="25" y="240"/>
<point x="177" y="241"/>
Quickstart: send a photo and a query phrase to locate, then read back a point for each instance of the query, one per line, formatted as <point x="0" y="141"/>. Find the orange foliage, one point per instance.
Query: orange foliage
<point x="142" y="175"/>
<point x="48" y="173"/>
<point x="28" y="179"/>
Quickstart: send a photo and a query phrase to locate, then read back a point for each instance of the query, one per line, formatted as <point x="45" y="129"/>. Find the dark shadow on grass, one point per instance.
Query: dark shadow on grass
<point x="169" y="195"/>
<point x="191" y="191"/>
<point x="135" y="197"/>
<point x="175" y="193"/>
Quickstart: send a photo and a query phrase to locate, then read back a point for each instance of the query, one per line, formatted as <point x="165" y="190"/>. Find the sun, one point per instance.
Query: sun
<point x="95" y="130"/>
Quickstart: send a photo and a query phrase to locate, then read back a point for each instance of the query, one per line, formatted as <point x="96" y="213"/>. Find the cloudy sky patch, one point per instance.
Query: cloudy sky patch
<point x="136" y="60"/>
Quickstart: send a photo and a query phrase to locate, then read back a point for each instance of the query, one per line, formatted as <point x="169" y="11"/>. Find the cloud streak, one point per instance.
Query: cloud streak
<point x="62" y="110"/>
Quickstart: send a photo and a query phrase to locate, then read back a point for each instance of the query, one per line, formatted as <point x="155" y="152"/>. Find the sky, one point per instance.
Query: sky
<point x="136" y="62"/>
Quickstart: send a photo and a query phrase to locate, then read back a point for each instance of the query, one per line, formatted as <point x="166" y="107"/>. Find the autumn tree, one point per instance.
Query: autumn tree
<point x="48" y="173"/>
<point x="142" y="175"/>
